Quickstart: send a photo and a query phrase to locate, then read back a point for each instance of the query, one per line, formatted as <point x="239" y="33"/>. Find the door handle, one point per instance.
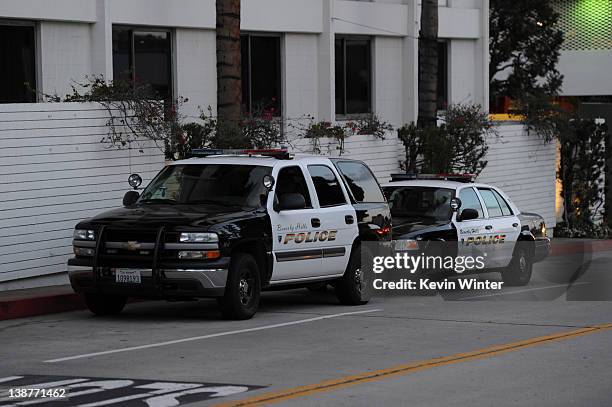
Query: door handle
<point x="349" y="219"/>
<point x="515" y="225"/>
<point x="315" y="222"/>
<point x="488" y="227"/>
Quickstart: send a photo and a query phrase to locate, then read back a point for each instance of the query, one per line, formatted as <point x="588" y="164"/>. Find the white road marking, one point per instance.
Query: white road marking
<point x="198" y="338"/>
<point x="9" y="379"/>
<point x="524" y="290"/>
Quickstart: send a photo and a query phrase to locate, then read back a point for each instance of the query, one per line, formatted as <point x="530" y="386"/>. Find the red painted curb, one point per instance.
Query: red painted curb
<point x="28" y="307"/>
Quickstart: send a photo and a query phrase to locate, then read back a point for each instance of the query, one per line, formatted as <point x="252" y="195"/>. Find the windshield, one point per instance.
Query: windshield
<point x="217" y="184"/>
<point x="420" y="203"/>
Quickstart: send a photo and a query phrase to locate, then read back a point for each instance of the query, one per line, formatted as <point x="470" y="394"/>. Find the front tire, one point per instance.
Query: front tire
<point x="519" y="271"/>
<point x="243" y="288"/>
<point x="353" y="287"/>
<point x="100" y="304"/>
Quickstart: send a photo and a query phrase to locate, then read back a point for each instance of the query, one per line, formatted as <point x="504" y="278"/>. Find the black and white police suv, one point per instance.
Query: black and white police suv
<point x="229" y="224"/>
<point x="479" y="218"/>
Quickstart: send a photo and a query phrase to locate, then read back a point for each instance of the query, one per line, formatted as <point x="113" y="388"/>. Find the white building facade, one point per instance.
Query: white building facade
<point x="172" y="43"/>
<point x="329" y="59"/>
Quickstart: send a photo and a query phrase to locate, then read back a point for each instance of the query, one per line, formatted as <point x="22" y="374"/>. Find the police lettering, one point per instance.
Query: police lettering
<point x="309" y="237"/>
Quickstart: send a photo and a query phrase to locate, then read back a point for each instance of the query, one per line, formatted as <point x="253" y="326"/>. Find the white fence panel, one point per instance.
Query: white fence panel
<point x="525" y="168"/>
<point x="380" y="155"/>
<point x="54" y="171"/>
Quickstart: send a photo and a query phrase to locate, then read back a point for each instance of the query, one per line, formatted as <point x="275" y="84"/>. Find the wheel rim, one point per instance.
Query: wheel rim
<point x="523" y="265"/>
<point x="245" y="287"/>
<point x="359" y="279"/>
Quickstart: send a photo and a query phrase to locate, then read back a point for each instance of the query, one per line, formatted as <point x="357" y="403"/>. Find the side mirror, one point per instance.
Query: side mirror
<point x="468" y="214"/>
<point x="288" y="202"/>
<point x="130" y="198"/>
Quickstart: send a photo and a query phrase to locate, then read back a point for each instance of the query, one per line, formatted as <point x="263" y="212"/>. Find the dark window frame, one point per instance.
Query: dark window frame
<point x="478" y="199"/>
<point x="36" y="74"/>
<point x="338" y="180"/>
<point x="485" y="203"/>
<point x="503" y="202"/>
<point x="247" y="106"/>
<point x="344" y="113"/>
<point x="132" y="54"/>
<point x="308" y="198"/>
<point x="338" y="164"/>
<point x="443" y="79"/>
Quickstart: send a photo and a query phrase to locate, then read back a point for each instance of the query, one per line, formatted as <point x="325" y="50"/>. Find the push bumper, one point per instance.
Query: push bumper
<point x="172" y="283"/>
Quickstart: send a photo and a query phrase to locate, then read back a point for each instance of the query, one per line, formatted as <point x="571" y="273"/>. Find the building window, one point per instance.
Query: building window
<point x="353" y="76"/>
<point x="442" y="98"/>
<point x="261" y="73"/>
<point x="144" y="56"/>
<point x="18" y="63"/>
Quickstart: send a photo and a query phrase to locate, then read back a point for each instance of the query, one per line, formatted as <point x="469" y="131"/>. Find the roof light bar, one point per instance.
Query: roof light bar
<point x="281" y="153"/>
<point x="439" y="177"/>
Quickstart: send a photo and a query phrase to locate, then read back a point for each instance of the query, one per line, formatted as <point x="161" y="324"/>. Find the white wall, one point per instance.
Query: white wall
<point x="388" y="65"/>
<point x="525" y="168"/>
<point x="196" y="76"/>
<point x="300" y="90"/>
<point x="66" y="57"/>
<point x="54" y="172"/>
<point x="463" y="78"/>
<point x="587" y="73"/>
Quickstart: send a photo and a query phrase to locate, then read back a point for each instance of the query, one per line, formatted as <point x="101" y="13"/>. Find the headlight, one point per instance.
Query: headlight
<point x="84" y="234"/>
<point x="199" y="255"/>
<point x="205" y="237"/>
<point x="83" y="251"/>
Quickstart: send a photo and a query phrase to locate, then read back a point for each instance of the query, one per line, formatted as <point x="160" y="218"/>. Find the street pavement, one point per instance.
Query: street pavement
<point x="546" y="344"/>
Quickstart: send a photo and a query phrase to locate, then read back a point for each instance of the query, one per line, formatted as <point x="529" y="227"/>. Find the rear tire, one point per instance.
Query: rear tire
<point x="100" y="304"/>
<point x="242" y="290"/>
<point x="353" y="287"/>
<point x="519" y="271"/>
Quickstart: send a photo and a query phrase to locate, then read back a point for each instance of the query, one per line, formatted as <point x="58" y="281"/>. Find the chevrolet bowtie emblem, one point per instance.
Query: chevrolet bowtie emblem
<point x="132" y="245"/>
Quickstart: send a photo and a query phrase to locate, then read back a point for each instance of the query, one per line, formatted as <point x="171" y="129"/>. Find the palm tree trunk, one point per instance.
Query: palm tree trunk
<point x="229" y="87"/>
<point x="428" y="63"/>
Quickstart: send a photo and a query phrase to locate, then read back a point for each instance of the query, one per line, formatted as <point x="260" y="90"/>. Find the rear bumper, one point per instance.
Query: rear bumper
<point x="172" y="283"/>
<point x="542" y="249"/>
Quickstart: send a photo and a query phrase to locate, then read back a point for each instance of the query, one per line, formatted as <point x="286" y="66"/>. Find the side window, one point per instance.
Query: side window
<point x="469" y="200"/>
<point x="292" y="180"/>
<point x="506" y="211"/>
<point x="491" y="202"/>
<point x="360" y="180"/>
<point x="327" y="186"/>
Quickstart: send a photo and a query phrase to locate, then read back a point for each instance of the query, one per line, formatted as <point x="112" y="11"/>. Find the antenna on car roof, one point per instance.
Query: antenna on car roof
<point x="466" y="178"/>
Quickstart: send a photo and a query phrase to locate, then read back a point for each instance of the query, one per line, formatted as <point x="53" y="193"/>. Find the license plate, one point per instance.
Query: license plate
<point x="406" y="245"/>
<point x="129" y="276"/>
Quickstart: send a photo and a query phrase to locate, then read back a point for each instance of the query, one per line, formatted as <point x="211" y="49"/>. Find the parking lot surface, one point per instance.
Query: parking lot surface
<point x="545" y="344"/>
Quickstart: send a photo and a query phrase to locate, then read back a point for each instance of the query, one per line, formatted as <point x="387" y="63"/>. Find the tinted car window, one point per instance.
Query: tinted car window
<point x="327" y="185"/>
<point x="491" y="202"/>
<point x="469" y="200"/>
<point x="227" y="185"/>
<point x="506" y="211"/>
<point x="361" y="181"/>
<point x="292" y="180"/>
<point x="420" y="203"/>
